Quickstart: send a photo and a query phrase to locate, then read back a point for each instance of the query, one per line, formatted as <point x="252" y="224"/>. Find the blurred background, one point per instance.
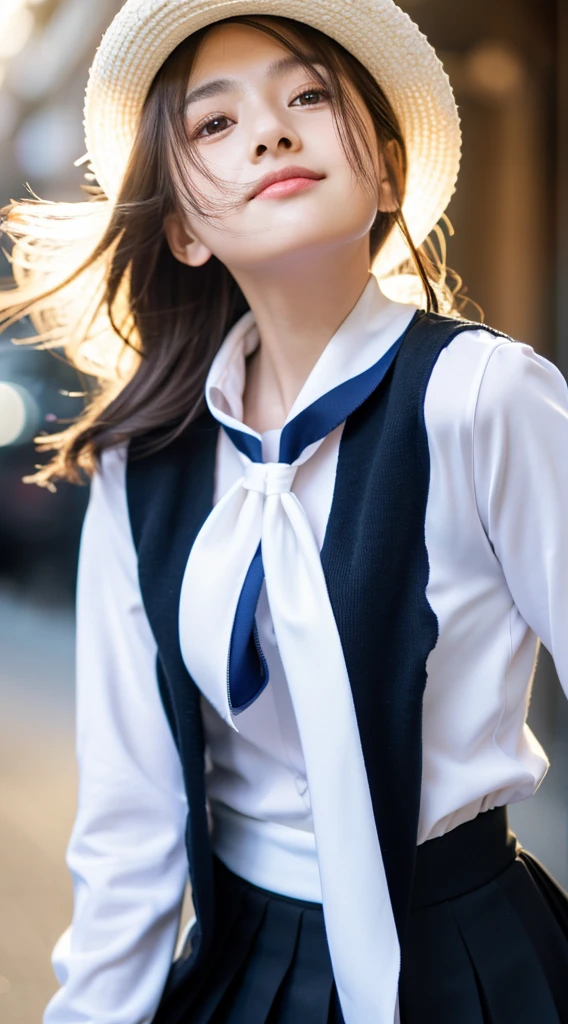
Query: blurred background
<point x="508" y="62"/>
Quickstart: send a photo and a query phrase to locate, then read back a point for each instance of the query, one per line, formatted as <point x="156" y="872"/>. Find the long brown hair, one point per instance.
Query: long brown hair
<point x="164" y="320"/>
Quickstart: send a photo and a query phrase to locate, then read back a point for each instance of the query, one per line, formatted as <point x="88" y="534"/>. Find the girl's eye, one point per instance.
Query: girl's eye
<point x="212" y="127"/>
<point x="216" y="125"/>
<point x="311" y="97"/>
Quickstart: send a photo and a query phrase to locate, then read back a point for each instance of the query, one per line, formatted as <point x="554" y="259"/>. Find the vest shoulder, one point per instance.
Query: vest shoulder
<point x="457" y="376"/>
<point x="465" y="345"/>
<point x="440" y="324"/>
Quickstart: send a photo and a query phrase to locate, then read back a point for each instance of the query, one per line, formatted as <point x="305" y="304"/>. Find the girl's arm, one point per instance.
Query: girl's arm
<point x="521" y="483"/>
<point x="127" y="852"/>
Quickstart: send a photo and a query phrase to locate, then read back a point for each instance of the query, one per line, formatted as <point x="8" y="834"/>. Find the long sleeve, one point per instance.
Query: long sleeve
<point x="126" y="853"/>
<point x="521" y="483"/>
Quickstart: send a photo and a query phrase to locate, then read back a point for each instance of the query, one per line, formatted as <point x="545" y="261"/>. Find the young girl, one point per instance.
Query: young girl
<point x="324" y="533"/>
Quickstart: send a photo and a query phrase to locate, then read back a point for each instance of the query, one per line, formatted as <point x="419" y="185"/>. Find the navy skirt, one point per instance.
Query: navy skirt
<point x="487" y="943"/>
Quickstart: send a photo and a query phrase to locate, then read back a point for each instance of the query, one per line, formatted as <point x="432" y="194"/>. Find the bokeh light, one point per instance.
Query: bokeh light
<point x="495" y="68"/>
<point x="19" y="414"/>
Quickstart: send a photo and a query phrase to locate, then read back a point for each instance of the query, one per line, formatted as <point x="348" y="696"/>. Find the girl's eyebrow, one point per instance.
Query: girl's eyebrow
<point x="223" y="85"/>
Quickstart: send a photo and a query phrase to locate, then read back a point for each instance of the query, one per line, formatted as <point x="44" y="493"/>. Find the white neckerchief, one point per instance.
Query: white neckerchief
<point x="261" y="506"/>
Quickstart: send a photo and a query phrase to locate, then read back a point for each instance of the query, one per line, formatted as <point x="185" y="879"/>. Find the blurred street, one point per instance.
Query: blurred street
<point x="37" y="798"/>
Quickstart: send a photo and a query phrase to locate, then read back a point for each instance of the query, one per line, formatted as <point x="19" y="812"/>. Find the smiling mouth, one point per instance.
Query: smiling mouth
<point x="285" y="182"/>
<point x="287" y="187"/>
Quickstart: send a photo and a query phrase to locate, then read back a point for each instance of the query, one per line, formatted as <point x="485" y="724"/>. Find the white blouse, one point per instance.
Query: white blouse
<point x="496" y="415"/>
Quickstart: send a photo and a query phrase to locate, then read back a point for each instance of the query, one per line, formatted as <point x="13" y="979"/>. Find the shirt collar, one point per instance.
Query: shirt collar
<point x="368" y="331"/>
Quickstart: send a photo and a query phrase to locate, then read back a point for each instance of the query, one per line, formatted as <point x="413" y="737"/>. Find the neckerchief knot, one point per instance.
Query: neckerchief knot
<point x="269" y="478"/>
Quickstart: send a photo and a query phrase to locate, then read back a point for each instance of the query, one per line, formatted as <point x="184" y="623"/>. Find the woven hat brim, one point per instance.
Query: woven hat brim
<point x="377" y="32"/>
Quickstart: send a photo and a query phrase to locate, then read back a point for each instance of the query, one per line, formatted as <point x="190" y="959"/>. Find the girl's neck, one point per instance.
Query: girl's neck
<point x="298" y="308"/>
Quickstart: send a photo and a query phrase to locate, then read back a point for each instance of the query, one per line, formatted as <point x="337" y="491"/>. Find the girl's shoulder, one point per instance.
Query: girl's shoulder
<point x="483" y="377"/>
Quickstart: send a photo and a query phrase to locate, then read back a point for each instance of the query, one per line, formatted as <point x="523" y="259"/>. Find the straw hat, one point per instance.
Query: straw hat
<point x="377" y="32"/>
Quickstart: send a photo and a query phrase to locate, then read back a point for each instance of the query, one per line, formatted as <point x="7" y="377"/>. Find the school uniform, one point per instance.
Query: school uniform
<point x="304" y="660"/>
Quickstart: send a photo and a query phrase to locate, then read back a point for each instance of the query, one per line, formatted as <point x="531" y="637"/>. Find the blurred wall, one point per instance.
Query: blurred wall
<point x="502" y="61"/>
<point x="508" y="63"/>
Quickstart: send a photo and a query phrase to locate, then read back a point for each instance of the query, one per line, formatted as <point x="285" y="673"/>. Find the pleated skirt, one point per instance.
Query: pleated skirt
<point x="487" y="943"/>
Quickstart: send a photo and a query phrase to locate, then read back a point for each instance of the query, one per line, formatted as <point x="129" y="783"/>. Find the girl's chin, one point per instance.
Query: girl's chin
<point x="282" y="242"/>
<point x="308" y="248"/>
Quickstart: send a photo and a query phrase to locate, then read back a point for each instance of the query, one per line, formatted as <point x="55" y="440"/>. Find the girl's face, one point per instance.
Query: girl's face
<point x="252" y="111"/>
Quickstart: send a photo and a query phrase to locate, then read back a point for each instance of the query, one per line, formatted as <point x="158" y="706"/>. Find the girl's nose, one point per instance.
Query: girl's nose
<point x="272" y="136"/>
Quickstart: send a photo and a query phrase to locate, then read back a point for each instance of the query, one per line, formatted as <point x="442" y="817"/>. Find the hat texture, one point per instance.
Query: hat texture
<point x="377" y="32"/>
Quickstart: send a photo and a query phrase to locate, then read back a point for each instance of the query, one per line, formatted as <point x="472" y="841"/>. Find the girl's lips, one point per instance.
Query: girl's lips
<point x="286" y="187"/>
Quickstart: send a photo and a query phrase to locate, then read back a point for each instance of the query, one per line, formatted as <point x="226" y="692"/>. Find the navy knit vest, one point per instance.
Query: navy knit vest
<point x="376" y="568"/>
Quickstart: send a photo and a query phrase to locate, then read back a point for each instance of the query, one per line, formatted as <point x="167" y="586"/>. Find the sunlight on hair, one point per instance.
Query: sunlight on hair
<point x="51" y="240"/>
<point x="404" y="284"/>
